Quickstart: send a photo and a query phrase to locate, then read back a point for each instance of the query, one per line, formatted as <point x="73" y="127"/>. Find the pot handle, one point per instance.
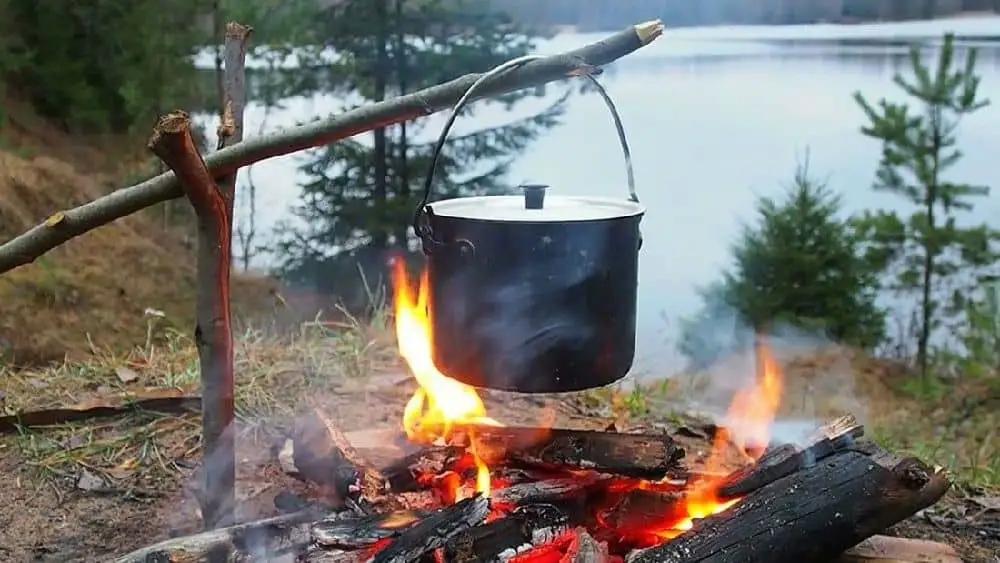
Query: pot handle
<point x="421" y="229"/>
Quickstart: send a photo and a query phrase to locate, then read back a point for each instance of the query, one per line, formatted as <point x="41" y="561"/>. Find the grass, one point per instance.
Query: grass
<point x="276" y="376"/>
<point x="958" y="431"/>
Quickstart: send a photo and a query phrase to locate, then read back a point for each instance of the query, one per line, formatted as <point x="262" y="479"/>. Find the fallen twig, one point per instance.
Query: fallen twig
<point x="65" y="225"/>
<point x="170" y="400"/>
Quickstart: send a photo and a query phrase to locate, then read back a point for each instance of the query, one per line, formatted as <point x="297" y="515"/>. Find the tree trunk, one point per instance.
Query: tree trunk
<point x="403" y="174"/>
<point x="219" y="31"/>
<point x="930" y="251"/>
<point x="380" y="237"/>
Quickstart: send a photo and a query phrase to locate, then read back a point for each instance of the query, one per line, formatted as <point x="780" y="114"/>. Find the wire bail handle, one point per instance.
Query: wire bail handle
<point x="420" y="226"/>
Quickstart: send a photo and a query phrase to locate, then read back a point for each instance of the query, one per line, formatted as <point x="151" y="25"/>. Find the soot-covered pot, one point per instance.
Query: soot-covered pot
<point x="534" y="292"/>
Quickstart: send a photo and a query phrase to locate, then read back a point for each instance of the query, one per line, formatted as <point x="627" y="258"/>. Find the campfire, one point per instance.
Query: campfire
<point x="476" y="489"/>
<point x="455" y="485"/>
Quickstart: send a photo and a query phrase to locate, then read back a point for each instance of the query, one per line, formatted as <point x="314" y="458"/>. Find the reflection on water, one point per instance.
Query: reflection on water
<point x="716" y="117"/>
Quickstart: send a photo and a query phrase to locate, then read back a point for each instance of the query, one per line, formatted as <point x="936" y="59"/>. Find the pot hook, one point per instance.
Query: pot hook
<point x="421" y="228"/>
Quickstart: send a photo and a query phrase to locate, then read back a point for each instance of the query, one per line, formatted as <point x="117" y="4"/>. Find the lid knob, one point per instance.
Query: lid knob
<point x="534" y="195"/>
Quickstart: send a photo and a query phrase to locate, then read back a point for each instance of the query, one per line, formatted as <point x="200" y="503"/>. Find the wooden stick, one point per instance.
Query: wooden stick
<point x="66" y="225"/>
<point x="173" y="143"/>
<point x="814" y="514"/>
<point x="213" y="205"/>
<point x="234" y="101"/>
<point x="287" y="533"/>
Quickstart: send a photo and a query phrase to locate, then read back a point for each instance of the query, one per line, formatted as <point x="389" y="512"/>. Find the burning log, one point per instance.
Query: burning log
<point x="402" y="537"/>
<point x="785" y="459"/>
<point x="405" y="474"/>
<point x="813" y="514"/>
<point x="644" y="456"/>
<point x="525" y="528"/>
<point x="549" y="490"/>
<point x="642" y="509"/>
<point x="585" y="549"/>
<point x="433" y="531"/>
<point x="365" y="531"/>
<point x="574" y="546"/>
<point x="323" y="455"/>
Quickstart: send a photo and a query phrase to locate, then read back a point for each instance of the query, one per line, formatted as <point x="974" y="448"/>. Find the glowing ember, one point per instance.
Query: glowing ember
<point x="440" y="402"/>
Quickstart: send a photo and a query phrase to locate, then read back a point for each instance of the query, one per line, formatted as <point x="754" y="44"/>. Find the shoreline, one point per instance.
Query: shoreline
<point x="560" y="29"/>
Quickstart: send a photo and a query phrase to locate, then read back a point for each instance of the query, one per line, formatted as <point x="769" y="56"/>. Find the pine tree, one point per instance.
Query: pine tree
<point x="107" y="66"/>
<point x="800" y="265"/>
<point x="359" y="195"/>
<point x="927" y="249"/>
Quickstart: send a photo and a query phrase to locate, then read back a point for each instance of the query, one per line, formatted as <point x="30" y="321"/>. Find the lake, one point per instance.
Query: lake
<point x="716" y="117"/>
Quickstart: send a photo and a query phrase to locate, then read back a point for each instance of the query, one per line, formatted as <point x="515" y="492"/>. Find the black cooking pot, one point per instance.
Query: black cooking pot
<point x="531" y="293"/>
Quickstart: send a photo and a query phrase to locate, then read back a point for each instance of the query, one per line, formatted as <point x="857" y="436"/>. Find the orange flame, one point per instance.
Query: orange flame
<point x="752" y="410"/>
<point x="440" y="402"/>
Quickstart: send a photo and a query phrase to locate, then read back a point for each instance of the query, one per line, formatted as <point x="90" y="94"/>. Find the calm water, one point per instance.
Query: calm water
<point x="716" y="117"/>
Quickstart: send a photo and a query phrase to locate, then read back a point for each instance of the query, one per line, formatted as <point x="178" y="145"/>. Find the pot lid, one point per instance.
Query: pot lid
<point x="533" y="207"/>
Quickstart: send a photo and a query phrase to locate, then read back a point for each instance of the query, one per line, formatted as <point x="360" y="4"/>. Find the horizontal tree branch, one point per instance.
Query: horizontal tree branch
<point x="65" y="225"/>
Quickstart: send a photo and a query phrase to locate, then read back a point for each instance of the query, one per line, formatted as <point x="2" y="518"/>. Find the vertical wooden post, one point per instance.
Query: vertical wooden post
<point x="213" y="335"/>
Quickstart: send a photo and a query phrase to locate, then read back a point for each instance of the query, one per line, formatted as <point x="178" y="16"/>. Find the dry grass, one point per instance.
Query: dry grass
<point x="279" y="375"/>
<point x="276" y="376"/>
<point x="91" y="292"/>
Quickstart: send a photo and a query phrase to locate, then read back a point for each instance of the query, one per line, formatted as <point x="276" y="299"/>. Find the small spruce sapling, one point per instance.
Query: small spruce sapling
<point x="927" y="249"/>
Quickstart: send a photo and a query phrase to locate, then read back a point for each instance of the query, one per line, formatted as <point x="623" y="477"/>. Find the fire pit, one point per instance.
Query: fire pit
<point x="459" y="486"/>
<point x="472" y="489"/>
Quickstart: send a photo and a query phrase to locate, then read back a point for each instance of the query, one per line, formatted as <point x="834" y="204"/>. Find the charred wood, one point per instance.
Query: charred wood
<point x="433" y="531"/>
<point x="549" y="490"/>
<point x="573" y="546"/>
<point x="644" y="456"/>
<point x="524" y="528"/>
<point x="642" y="509"/>
<point x="323" y="455"/>
<point x="405" y="474"/>
<point x="360" y="532"/>
<point x="781" y="460"/>
<point x="269" y="538"/>
<point x="814" y="514"/>
<point x="585" y="549"/>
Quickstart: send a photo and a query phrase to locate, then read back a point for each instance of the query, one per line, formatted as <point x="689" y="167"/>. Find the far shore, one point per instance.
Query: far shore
<point x="972" y="14"/>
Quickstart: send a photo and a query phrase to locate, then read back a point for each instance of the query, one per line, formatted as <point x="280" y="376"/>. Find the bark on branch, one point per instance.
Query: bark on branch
<point x="213" y="205"/>
<point x="234" y="99"/>
<point x="65" y="225"/>
<point x="172" y="142"/>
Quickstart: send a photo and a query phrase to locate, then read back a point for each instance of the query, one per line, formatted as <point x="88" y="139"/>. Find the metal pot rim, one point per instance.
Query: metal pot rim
<point x="557" y="209"/>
